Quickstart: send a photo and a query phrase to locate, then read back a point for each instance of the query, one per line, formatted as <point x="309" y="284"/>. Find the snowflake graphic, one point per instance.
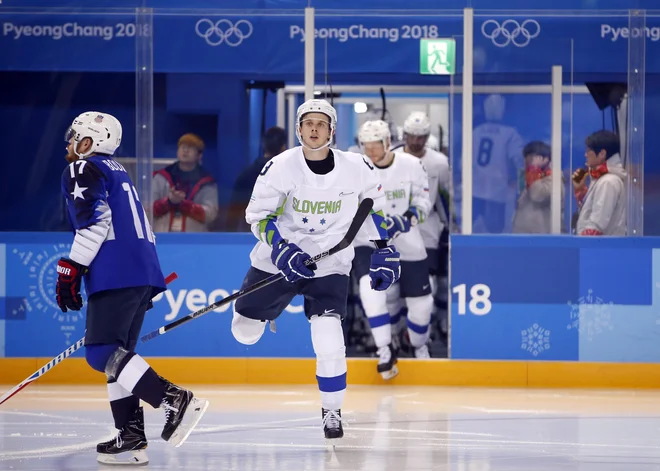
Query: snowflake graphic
<point x="590" y="315"/>
<point x="535" y="340"/>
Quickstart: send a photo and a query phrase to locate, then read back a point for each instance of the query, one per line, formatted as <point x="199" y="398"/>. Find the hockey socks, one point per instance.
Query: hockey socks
<point x="133" y="374"/>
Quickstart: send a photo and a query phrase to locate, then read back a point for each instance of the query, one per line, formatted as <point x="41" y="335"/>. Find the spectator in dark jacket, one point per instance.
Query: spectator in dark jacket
<point x="274" y="143"/>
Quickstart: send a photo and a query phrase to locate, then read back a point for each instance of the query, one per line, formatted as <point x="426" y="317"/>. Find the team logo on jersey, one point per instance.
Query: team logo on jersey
<point x="316" y="207"/>
<point x="380" y="187"/>
<point x="41" y="283"/>
<point x="395" y="194"/>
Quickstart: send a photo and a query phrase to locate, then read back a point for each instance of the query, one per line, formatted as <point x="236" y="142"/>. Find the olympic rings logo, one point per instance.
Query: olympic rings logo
<point x="511" y="32"/>
<point x="223" y="31"/>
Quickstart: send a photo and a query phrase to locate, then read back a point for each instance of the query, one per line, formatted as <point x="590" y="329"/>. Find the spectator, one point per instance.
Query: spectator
<point x="603" y="203"/>
<point x="185" y="195"/>
<point x="274" y="143"/>
<point x="533" y="214"/>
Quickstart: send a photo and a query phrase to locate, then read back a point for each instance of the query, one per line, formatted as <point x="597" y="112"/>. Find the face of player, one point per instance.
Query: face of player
<point x="416" y="144"/>
<point x="188" y="154"/>
<point x="83" y="147"/>
<point x="593" y="159"/>
<point x="315" y="130"/>
<point x="375" y="151"/>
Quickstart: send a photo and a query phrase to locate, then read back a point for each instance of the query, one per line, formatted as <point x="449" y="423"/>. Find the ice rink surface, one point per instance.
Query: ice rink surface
<point x="386" y="429"/>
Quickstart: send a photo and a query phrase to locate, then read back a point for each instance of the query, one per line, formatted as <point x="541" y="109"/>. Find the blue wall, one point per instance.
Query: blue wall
<point x="548" y="298"/>
<point x="556" y="298"/>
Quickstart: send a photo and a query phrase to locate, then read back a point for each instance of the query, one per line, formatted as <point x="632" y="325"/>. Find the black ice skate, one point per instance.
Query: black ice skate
<point x="387" y="361"/>
<point x="128" y="447"/>
<point x="182" y="413"/>
<point x="332" y="424"/>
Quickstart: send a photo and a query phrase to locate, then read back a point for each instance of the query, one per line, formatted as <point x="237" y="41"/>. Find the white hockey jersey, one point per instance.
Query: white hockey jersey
<point x="437" y="169"/>
<point x="313" y="211"/>
<point x="497" y="156"/>
<point x="405" y="183"/>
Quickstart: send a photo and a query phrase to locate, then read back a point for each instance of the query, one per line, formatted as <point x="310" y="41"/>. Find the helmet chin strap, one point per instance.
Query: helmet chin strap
<point x="85" y="154"/>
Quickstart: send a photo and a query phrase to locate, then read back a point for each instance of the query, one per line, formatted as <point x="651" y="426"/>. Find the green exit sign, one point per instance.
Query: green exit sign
<point x="437" y="56"/>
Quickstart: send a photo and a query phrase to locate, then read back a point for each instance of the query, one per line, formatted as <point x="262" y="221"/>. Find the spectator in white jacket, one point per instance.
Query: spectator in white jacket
<point x="602" y="203"/>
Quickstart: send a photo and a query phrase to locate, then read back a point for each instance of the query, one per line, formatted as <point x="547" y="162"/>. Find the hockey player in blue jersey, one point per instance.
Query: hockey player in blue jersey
<point x="114" y="252"/>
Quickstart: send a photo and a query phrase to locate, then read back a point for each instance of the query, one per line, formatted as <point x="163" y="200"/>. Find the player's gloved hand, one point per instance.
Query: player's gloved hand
<point x="69" y="274"/>
<point x="397" y="225"/>
<point x="385" y="268"/>
<point x="290" y="261"/>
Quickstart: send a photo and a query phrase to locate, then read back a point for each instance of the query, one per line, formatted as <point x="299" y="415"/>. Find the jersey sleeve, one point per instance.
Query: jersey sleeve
<point x="85" y="193"/>
<point x="267" y="203"/>
<point x="420" y="201"/>
<point x="372" y="188"/>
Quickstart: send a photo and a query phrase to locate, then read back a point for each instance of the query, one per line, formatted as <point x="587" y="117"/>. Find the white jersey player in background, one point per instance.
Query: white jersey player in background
<point x="417" y="135"/>
<point x="405" y="184"/>
<point x="303" y="202"/>
<point x="497" y="159"/>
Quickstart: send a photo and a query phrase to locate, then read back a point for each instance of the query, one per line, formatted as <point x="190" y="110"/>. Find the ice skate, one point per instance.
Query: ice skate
<point x="332" y="426"/>
<point x="422" y="352"/>
<point x="182" y="413"/>
<point x="128" y="447"/>
<point x="387" y="361"/>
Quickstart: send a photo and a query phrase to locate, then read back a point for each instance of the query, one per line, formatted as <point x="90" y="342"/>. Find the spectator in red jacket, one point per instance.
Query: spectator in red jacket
<point x="185" y="195"/>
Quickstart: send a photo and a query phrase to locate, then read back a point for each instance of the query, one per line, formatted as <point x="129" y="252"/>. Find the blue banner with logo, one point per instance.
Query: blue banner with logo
<point x="344" y="4"/>
<point x="273" y="44"/>
<point x="210" y="267"/>
<point x="555" y="298"/>
<point x="513" y="298"/>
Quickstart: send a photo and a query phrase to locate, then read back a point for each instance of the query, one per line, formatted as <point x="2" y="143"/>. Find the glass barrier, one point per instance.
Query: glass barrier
<point x="55" y="65"/>
<point x="216" y="108"/>
<point x="632" y="122"/>
<point x="514" y="55"/>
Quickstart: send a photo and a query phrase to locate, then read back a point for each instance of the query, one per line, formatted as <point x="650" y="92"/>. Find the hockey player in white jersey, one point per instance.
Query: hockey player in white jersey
<point x="417" y="134"/>
<point x="406" y="186"/>
<point x="417" y="130"/>
<point x="303" y="202"/>
<point x="497" y="159"/>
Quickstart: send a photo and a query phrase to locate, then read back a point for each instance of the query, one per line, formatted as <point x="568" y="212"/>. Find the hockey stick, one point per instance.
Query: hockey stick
<point x="58" y="359"/>
<point x="360" y="216"/>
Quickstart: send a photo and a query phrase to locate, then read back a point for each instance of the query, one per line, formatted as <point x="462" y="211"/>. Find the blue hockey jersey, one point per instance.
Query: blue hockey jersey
<point x="113" y="236"/>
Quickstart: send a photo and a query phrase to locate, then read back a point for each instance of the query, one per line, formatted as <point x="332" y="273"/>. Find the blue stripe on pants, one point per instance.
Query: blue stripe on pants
<point x="334" y="384"/>
<point x="417" y="328"/>
<point x="380" y="320"/>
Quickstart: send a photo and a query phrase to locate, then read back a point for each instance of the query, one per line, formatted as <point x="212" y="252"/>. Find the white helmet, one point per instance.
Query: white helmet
<point x="316" y="106"/>
<point x="374" y="131"/>
<point x="103" y="129"/>
<point x="417" y="124"/>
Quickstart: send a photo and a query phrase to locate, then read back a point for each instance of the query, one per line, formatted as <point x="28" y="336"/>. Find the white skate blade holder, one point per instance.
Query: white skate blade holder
<point x="191" y="418"/>
<point x="391" y="373"/>
<point x="128" y="458"/>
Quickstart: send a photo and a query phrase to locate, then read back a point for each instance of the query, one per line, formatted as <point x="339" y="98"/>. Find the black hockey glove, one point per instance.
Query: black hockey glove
<point x="69" y="275"/>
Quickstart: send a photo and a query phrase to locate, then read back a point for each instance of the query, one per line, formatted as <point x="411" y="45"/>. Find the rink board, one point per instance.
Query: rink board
<point x="542" y="311"/>
<point x="285" y="371"/>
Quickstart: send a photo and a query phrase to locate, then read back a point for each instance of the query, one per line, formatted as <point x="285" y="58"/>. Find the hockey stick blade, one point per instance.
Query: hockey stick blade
<point x="58" y="359"/>
<point x="360" y="216"/>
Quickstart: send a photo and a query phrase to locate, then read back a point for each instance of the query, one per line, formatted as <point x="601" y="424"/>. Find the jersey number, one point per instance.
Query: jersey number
<point x="266" y="168"/>
<point x="484" y="152"/>
<point x="81" y="165"/>
<point x="139" y="230"/>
